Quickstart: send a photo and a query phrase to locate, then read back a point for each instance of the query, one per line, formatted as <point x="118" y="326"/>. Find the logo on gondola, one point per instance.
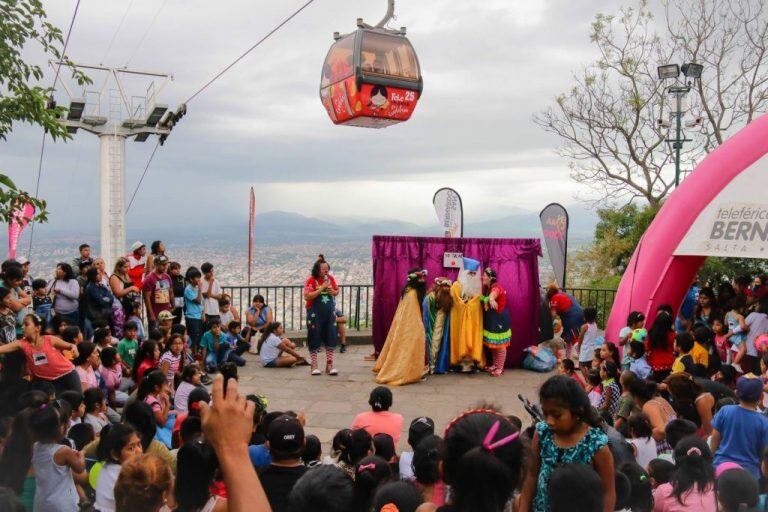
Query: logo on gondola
<point x="379" y="95"/>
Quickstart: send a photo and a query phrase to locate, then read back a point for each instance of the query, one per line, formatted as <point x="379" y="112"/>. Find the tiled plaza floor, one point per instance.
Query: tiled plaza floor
<point x="331" y="403"/>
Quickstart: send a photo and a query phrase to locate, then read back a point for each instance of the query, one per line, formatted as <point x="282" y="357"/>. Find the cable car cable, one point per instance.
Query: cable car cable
<point x="249" y="50"/>
<point x="144" y="36"/>
<point x="42" y="144"/>
<point x="146" y="167"/>
<point x="116" y="32"/>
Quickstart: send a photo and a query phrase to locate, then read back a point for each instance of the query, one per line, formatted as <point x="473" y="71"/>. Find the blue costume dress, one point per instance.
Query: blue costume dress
<point x="438" y="350"/>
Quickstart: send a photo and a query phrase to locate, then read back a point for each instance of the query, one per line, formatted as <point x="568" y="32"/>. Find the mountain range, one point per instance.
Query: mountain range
<point x="281" y="227"/>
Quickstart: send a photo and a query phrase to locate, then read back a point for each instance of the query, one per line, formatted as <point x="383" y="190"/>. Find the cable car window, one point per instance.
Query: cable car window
<point x="338" y="63"/>
<point x="388" y="55"/>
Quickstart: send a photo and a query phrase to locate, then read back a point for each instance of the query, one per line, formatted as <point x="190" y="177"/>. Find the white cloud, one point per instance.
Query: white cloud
<point x="488" y="67"/>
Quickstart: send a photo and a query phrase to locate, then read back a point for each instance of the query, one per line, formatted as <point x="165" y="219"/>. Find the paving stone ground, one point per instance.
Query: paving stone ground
<point x="331" y="403"/>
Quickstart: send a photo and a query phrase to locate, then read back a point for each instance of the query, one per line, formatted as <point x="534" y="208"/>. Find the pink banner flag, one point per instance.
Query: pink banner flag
<point x="21" y="217"/>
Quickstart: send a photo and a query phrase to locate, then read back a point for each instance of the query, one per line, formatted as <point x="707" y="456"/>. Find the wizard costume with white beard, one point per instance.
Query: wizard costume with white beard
<point x="467" y="317"/>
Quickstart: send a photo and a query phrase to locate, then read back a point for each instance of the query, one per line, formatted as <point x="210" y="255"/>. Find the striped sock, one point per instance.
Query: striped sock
<point x="313" y="358"/>
<point x="329" y="356"/>
<point x="499" y="357"/>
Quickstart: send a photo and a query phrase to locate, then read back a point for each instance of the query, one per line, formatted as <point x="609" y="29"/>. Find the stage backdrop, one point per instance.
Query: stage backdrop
<point x="514" y="259"/>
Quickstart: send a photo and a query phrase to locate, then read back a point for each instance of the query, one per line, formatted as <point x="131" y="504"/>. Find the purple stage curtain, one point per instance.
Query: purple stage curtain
<point x="514" y="259"/>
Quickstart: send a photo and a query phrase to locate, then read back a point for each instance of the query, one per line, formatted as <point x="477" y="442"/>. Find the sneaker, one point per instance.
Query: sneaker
<point x="343" y="349"/>
<point x="316" y="372"/>
<point x="333" y="372"/>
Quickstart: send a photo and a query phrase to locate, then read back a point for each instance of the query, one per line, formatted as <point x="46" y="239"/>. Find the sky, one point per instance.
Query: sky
<point x="488" y="67"/>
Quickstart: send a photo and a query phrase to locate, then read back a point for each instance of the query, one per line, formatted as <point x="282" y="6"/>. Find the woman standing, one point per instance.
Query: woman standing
<point x="319" y="292"/>
<point x="496" y="331"/>
<point x="137" y="263"/>
<point x="44" y="359"/>
<point x="568" y="309"/>
<point x="659" y="346"/>
<point x="97" y="299"/>
<point x="66" y="292"/>
<point x="156" y="248"/>
<point x="127" y="295"/>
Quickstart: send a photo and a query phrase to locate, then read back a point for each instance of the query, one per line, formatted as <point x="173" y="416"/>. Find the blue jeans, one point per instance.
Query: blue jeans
<point x="224" y="354"/>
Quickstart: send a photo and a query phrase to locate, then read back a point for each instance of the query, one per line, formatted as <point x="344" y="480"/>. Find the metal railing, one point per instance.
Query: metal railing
<point x="356" y="300"/>
<point x="598" y="298"/>
<point x="288" y="307"/>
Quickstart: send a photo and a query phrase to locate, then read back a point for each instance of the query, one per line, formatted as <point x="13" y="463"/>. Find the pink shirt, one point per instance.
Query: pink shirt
<point x="87" y="377"/>
<point x="111" y="376"/>
<point x="45" y="362"/>
<point x="666" y="501"/>
<point x="383" y="422"/>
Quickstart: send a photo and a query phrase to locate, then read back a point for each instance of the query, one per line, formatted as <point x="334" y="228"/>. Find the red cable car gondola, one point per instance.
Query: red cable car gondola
<point x="371" y="77"/>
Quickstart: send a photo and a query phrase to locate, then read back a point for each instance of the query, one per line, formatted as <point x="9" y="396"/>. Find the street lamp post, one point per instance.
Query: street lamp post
<point x="691" y="71"/>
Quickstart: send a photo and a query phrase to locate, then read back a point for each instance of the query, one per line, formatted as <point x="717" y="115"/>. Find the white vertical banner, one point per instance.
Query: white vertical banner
<point x="450" y="213"/>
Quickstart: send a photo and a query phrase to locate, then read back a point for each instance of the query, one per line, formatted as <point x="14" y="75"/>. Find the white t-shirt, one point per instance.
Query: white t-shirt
<point x="587" y="350"/>
<point x="270" y="349"/>
<point x="645" y="450"/>
<point x="226" y="318"/>
<point x="181" y="397"/>
<point x="105" y="487"/>
<point x="406" y="468"/>
<point x="210" y="305"/>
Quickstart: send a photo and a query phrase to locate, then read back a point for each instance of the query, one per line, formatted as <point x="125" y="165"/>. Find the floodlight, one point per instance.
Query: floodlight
<point x="156" y="114"/>
<point x="668" y="71"/>
<point x="76" y="108"/>
<point x="692" y="70"/>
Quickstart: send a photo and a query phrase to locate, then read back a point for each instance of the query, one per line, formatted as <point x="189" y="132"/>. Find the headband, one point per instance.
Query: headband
<point x="419" y="273"/>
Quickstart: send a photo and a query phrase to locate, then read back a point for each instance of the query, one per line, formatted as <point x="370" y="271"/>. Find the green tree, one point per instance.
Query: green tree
<point x="22" y="99"/>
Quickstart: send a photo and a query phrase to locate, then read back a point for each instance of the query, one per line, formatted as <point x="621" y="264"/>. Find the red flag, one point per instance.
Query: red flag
<point x="251" y="217"/>
<point x="21" y="217"/>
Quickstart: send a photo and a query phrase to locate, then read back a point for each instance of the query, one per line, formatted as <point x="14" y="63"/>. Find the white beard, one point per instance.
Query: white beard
<point x="471" y="286"/>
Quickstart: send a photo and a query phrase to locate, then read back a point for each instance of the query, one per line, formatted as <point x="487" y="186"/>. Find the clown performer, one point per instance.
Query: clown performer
<point x="402" y="357"/>
<point x="319" y="292"/>
<point x="437" y="324"/>
<point x="467" y="318"/>
<point x="496" y="331"/>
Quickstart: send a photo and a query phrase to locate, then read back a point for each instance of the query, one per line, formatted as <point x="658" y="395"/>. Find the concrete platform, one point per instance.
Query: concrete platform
<point x="331" y="403"/>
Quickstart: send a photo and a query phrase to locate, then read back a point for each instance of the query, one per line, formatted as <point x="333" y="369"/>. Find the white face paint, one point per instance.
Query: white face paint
<point x="471" y="284"/>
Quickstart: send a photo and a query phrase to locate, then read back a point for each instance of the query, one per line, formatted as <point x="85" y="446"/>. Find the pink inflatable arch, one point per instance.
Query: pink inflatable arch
<point x="720" y="209"/>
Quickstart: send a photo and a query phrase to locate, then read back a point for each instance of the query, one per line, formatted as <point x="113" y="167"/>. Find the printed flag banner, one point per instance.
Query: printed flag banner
<point x="251" y="219"/>
<point x="449" y="211"/>
<point x="554" y="224"/>
<point x="21" y="217"/>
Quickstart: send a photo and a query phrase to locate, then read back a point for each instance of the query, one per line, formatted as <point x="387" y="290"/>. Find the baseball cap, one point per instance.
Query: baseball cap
<point x="136" y="246"/>
<point x="21" y="260"/>
<point x="161" y="259"/>
<point x="285" y="435"/>
<point x="165" y="315"/>
<point x="420" y="428"/>
<point x="749" y="388"/>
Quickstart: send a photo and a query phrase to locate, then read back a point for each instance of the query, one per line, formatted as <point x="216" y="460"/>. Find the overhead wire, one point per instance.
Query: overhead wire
<point x="146" y="168"/>
<point x="117" y="31"/>
<point x="146" y="31"/>
<point x="216" y="77"/>
<point x="42" y="144"/>
<point x="249" y="50"/>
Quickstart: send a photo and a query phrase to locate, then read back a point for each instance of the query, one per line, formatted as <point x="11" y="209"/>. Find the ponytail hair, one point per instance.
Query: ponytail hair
<point x="370" y="473"/>
<point x="269" y="329"/>
<point x="693" y="467"/>
<point x="148" y="383"/>
<point x="483" y="461"/>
